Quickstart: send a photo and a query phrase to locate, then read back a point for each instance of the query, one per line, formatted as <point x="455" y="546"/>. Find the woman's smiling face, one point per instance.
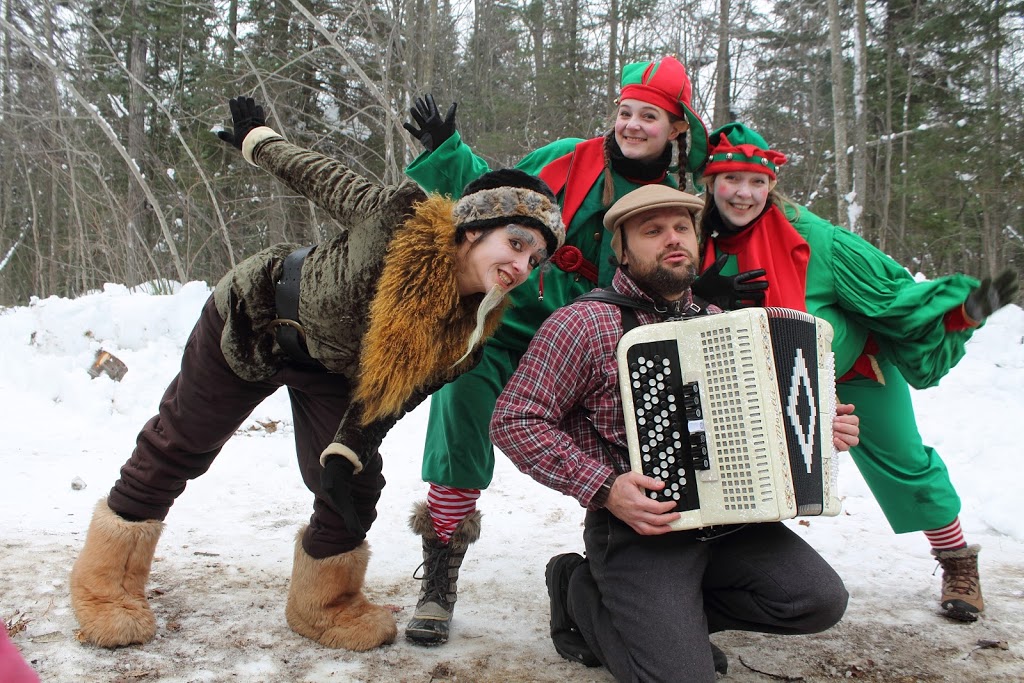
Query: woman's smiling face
<point x="502" y="257"/>
<point x="741" y="196"/>
<point x="644" y="130"/>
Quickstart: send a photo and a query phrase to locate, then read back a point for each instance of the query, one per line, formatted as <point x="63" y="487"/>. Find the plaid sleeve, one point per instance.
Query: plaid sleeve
<point x="561" y="367"/>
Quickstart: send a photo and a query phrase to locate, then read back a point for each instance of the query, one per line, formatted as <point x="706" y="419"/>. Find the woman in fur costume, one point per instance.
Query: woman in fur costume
<point x="890" y="330"/>
<point x="360" y="329"/>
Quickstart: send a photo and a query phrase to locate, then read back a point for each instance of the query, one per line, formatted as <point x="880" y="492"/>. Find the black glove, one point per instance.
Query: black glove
<point x="730" y="292"/>
<point x="245" y="115"/>
<point x="991" y="295"/>
<point x="336" y="480"/>
<point x="432" y="129"/>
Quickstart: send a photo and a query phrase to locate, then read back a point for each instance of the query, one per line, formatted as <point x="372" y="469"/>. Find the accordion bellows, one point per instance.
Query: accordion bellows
<point x="734" y="413"/>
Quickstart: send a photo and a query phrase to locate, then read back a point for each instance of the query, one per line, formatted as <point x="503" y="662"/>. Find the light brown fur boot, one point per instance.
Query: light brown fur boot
<point x="108" y="581"/>
<point x="326" y="601"/>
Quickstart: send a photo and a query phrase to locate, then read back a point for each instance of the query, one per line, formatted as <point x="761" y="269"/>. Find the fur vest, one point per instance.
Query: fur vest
<point x="419" y="325"/>
<point x="379" y="302"/>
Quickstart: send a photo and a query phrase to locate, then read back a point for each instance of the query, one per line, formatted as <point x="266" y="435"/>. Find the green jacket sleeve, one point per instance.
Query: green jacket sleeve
<point x="453" y="165"/>
<point x="448" y="169"/>
<point x="905" y="316"/>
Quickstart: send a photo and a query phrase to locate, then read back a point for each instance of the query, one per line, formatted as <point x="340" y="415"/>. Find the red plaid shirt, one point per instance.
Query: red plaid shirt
<point x="560" y="411"/>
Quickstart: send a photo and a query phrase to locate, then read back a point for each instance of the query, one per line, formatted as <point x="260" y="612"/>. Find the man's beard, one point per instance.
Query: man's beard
<point x="487" y="305"/>
<point x="665" y="282"/>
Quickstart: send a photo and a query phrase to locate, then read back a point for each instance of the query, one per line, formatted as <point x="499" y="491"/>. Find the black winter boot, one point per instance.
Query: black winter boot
<point x="441" y="562"/>
<point x="720" y="659"/>
<point x="565" y="636"/>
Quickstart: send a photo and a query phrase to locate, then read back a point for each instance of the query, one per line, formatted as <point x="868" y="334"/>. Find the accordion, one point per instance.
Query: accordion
<point x="734" y="413"/>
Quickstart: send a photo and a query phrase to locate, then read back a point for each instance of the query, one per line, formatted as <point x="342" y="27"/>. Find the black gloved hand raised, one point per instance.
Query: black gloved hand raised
<point x="433" y="130"/>
<point x="245" y="115"/>
<point x="336" y="480"/>
<point x="991" y="295"/>
<point x="730" y="292"/>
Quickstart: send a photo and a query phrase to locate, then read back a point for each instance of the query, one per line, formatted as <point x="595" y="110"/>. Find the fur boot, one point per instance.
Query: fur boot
<point x="326" y="601"/>
<point x="108" y="580"/>
<point x="441" y="563"/>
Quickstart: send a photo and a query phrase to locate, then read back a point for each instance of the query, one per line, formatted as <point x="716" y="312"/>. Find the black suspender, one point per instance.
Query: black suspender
<point x="629" y="306"/>
<point x="290" y="335"/>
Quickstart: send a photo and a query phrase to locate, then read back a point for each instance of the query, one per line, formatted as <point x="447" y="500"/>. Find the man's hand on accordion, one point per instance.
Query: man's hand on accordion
<point x="628" y="501"/>
<point x="845" y="427"/>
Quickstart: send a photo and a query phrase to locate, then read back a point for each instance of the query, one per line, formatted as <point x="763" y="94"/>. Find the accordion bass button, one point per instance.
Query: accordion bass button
<point x="699" y="451"/>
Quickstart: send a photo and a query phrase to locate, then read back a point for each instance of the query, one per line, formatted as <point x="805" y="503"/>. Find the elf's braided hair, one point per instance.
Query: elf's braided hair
<point x="608" y="193"/>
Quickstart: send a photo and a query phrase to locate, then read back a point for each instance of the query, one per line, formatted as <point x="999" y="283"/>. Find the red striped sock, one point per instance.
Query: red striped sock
<point x="448" y="506"/>
<point x="949" y="537"/>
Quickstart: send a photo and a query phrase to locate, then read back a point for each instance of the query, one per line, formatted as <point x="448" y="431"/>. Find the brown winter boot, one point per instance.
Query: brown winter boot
<point x="961" y="586"/>
<point x="326" y="601"/>
<point x="432" y="619"/>
<point x="108" y="581"/>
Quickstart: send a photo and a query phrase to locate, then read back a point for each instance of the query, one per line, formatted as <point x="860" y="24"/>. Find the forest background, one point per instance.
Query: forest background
<point x="109" y="171"/>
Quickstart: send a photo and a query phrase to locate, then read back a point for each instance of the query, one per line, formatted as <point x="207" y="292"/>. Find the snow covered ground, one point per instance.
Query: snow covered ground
<point x="220" y="577"/>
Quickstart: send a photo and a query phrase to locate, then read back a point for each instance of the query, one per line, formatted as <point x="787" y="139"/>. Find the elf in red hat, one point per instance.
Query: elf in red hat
<point x="654" y="122"/>
<point x="889" y="331"/>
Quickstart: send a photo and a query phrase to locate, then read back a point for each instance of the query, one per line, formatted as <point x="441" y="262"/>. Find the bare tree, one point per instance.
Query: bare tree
<point x="723" y="71"/>
<point x="860" y="117"/>
<point x="835" y="32"/>
<point x="613" y="50"/>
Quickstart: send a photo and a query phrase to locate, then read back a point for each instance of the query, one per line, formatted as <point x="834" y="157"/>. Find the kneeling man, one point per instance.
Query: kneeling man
<point x="644" y="600"/>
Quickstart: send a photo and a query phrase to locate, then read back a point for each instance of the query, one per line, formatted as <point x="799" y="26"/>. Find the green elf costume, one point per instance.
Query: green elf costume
<point x="587" y="176"/>
<point x="890" y="330"/>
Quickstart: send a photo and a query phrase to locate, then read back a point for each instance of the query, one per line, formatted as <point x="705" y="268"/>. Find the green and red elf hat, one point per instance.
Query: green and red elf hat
<point x="734" y="147"/>
<point x="664" y="83"/>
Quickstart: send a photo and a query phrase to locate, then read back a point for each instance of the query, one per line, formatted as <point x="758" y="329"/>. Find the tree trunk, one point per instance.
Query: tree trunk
<point x="860" y="122"/>
<point x="835" y="33"/>
<point x="613" y="46"/>
<point x="429" y="43"/>
<point x="229" y="46"/>
<point x="723" y="72"/>
<point x="137" y="142"/>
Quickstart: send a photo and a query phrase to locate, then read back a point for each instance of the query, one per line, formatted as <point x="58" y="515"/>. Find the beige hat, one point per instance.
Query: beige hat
<point x="647" y="198"/>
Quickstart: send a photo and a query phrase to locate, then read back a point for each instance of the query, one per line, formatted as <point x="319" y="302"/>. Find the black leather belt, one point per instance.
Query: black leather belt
<point x="290" y="335"/>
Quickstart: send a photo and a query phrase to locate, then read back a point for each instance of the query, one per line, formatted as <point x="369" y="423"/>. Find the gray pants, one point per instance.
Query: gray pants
<point x="646" y="604"/>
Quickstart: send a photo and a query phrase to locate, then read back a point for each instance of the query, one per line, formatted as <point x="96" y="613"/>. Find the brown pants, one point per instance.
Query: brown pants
<point x="203" y="407"/>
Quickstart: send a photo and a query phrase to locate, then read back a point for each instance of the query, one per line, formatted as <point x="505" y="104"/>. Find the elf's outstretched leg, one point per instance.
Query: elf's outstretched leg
<point x="108" y="580"/>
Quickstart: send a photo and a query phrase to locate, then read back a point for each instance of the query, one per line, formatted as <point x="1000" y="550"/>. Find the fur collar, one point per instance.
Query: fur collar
<point x="419" y="326"/>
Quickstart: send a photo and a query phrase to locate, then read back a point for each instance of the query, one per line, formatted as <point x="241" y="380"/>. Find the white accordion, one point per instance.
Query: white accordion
<point x="734" y="413"/>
